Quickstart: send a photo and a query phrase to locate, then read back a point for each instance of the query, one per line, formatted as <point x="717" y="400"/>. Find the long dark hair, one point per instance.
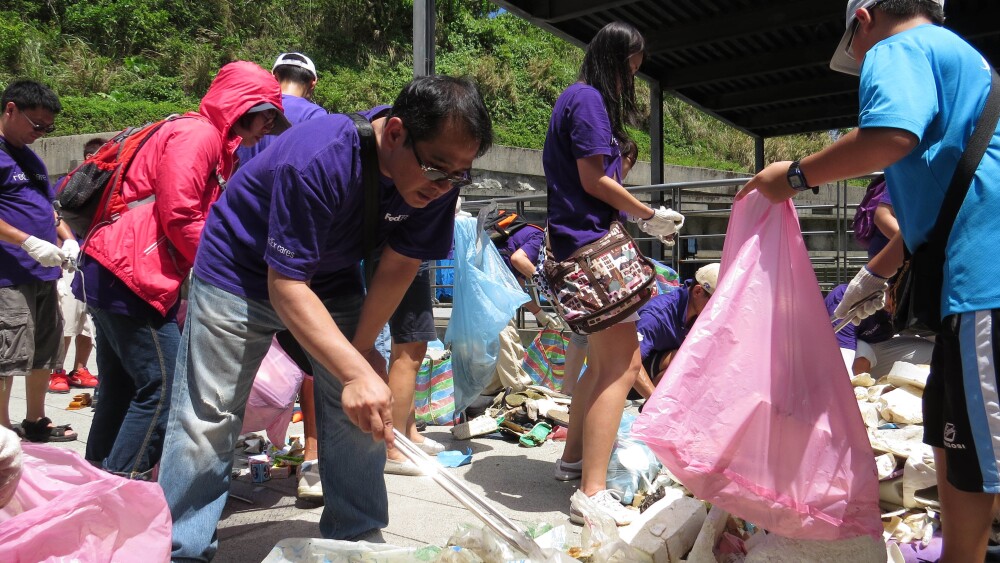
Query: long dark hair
<point x="605" y="67"/>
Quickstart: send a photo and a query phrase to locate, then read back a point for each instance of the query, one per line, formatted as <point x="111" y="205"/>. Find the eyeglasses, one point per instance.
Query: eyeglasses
<point x="854" y="30"/>
<point x="38" y="128"/>
<point x="438" y="175"/>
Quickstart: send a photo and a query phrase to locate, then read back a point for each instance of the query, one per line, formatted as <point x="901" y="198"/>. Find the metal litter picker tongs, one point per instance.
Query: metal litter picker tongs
<point x="853" y="312"/>
<point x="482" y="508"/>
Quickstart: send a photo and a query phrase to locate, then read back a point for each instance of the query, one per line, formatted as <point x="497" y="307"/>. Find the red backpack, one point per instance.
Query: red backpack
<point x="91" y="194"/>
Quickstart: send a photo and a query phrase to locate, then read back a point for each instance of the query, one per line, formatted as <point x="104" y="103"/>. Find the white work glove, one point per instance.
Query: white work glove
<point x="71" y="249"/>
<point x="866" y="287"/>
<point x="46" y="253"/>
<point x="550" y="321"/>
<point x="10" y="465"/>
<point x="663" y="223"/>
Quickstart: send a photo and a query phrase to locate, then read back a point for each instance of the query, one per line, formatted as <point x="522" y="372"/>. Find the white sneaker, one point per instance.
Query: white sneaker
<point x="566" y="471"/>
<point x="310" y="486"/>
<point x="608" y="502"/>
<point x="430" y="447"/>
<point x="407" y="467"/>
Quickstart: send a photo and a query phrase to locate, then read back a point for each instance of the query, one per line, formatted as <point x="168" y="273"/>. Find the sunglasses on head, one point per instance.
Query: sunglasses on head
<point x="438" y="175"/>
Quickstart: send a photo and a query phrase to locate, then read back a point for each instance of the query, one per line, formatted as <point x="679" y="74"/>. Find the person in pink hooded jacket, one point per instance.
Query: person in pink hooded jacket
<point x="133" y="267"/>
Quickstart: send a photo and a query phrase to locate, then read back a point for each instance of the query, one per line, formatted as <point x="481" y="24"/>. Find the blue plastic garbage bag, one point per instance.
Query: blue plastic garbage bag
<point x="486" y="297"/>
<point x="633" y="467"/>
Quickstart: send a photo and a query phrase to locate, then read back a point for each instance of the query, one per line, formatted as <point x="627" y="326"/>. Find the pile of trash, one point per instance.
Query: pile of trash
<point x="891" y="408"/>
<point x="530" y="416"/>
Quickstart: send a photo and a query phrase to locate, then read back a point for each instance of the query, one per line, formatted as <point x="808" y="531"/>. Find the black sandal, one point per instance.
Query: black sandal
<point x="40" y="431"/>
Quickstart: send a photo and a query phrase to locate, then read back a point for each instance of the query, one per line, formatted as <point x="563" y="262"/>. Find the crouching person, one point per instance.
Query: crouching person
<point x="282" y="248"/>
<point x="133" y="268"/>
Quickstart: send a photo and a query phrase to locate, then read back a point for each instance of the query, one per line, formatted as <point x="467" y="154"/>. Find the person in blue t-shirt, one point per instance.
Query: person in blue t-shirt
<point x="282" y="249"/>
<point x="664" y="322"/>
<point x="921" y="93"/>
<point x="872" y="346"/>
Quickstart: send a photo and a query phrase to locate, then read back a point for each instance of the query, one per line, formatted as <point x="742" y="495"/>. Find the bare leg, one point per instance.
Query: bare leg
<point x="64" y="350"/>
<point x="575" y="355"/>
<point x="597" y="406"/>
<point x="308" y="405"/>
<point x="84" y="346"/>
<point x="5" y="384"/>
<point x="404" y="363"/>
<point x="643" y="384"/>
<point x="966" y="518"/>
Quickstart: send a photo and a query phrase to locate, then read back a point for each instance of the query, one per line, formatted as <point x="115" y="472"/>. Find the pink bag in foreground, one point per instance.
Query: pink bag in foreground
<point x="64" y="509"/>
<point x="272" y="397"/>
<point x="756" y="413"/>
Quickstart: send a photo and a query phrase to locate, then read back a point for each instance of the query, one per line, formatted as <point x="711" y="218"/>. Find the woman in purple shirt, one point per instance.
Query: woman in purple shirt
<point x="583" y="168"/>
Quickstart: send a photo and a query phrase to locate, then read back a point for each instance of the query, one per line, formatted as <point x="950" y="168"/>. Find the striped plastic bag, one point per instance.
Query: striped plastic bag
<point x="434" y="395"/>
<point x="545" y="358"/>
<point x="667" y="279"/>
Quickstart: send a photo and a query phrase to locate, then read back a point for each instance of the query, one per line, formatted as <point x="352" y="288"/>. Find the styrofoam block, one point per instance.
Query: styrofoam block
<point x="704" y="545"/>
<point x="903" y="405"/>
<point x="666" y="530"/>
<point x="905" y="373"/>
<point x="770" y="548"/>
<point x="869" y="414"/>
<point x="885" y="464"/>
<point x="901" y="442"/>
<point x="875" y="391"/>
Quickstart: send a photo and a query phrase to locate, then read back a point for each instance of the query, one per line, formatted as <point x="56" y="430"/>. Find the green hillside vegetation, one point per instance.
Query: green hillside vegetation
<point x="116" y="63"/>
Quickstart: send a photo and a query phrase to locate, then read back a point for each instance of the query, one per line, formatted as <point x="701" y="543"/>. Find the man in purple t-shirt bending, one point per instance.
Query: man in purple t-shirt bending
<point x="282" y="249"/>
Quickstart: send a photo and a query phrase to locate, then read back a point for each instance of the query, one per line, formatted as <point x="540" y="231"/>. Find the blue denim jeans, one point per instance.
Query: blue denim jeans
<point x="225" y="340"/>
<point x="136" y="361"/>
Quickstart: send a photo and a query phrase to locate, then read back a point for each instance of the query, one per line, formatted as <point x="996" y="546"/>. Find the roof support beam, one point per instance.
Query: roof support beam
<point x="807" y="55"/>
<point x="561" y="10"/>
<point x="792" y="116"/>
<point x="786" y="92"/>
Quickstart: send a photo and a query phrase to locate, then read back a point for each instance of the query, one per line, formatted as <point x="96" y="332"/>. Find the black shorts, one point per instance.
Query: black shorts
<point x="961" y="400"/>
<point x="652" y="362"/>
<point x="413" y="320"/>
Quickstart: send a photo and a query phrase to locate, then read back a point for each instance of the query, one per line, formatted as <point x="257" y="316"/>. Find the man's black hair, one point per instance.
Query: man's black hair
<point x="428" y="103"/>
<point x="91" y="146"/>
<point x="28" y="94"/>
<point x="606" y="68"/>
<point x="903" y="9"/>
<point x="293" y="73"/>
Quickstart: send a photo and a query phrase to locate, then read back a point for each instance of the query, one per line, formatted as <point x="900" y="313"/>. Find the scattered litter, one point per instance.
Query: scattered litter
<point x="454" y="458"/>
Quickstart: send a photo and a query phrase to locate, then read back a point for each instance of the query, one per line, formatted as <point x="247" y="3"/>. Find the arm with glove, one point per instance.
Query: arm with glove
<point x="867" y="289"/>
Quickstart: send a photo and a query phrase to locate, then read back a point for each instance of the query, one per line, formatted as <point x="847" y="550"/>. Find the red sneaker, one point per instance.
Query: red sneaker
<point x="82" y="378"/>
<point x="58" y="382"/>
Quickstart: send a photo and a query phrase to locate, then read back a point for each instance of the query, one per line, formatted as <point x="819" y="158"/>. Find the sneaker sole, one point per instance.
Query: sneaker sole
<point x="58" y="392"/>
<point x="567" y="476"/>
<point x="307" y="494"/>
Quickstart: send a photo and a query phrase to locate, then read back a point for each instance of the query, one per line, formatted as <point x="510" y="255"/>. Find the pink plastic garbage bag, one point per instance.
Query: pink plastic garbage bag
<point x="272" y="397"/>
<point x="756" y="412"/>
<point x="65" y="509"/>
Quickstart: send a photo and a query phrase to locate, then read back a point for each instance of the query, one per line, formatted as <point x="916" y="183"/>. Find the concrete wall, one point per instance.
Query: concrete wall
<point x="61" y="154"/>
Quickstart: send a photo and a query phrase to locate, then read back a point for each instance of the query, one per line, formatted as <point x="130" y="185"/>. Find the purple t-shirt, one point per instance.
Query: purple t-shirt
<point x="528" y="239"/>
<point x="874" y="329"/>
<point x="662" y="324"/>
<point x="301" y="212"/>
<point x="579" y="128"/>
<point x="297" y="110"/>
<point x="25" y="206"/>
<point x="878" y="240"/>
<point x="98" y="287"/>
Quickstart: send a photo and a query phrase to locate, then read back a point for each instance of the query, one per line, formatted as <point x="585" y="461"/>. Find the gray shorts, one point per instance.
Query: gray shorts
<point x="413" y="320"/>
<point x="31" y="328"/>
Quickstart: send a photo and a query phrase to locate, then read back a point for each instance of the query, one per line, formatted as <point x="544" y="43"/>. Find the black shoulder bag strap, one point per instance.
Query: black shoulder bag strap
<point x="27" y="172"/>
<point x="979" y="141"/>
<point x="369" y="177"/>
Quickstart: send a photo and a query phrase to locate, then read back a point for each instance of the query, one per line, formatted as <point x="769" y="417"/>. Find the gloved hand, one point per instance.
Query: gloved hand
<point x="550" y="321"/>
<point x="866" y="287"/>
<point x="663" y="223"/>
<point x="46" y="253"/>
<point x="71" y="249"/>
<point x="10" y="465"/>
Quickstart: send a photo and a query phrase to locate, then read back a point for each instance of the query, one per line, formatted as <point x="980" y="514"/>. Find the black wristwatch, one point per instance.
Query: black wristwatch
<point x="797" y="180"/>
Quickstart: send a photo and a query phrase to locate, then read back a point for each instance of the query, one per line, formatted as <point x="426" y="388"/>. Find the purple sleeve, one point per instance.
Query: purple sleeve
<point x="427" y="235"/>
<point x="590" y="130"/>
<point x="533" y="243"/>
<point x="300" y="217"/>
<point x="847" y="337"/>
<point x="885" y="199"/>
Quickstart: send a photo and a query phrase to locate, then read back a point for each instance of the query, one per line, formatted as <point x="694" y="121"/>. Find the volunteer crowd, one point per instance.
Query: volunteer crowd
<point x="259" y="200"/>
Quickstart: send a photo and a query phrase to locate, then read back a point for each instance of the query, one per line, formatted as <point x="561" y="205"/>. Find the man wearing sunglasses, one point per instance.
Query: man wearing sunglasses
<point x="921" y="93"/>
<point x="282" y="248"/>
<point x="30" y="261"/>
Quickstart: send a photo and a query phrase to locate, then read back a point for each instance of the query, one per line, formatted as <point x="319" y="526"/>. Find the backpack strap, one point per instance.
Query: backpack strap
<point x="369" y="179"/>
<point x="31" y="177"/>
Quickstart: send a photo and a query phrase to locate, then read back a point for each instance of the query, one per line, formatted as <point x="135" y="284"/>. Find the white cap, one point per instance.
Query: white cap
<point x="708" y="277"/>
<point x="841" y="61"/>
<point x="295" y="59"/>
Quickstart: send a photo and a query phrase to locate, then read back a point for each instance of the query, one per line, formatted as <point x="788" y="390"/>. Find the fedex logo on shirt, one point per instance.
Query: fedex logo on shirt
<point x="280" y="249"/>
<point x="396" y="218"/>
<point x="20" y="177"/>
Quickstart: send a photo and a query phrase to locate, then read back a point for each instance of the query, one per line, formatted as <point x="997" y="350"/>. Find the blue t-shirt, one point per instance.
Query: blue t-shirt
<point x="930" y="82"/>
<point x="300" y="211"/>
<point x="662" y="324"/>
<point x="28" y="207"/>
<point x="579" y="128"/>
<point x="528" y="239"/>
<point x="878" y="240"/>
<point x="297" y="110"/>
<point x="873" y="329"/>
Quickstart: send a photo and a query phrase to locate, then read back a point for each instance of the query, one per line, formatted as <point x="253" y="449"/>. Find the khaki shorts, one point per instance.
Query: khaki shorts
<point x="30" y="328"/>
<point x="76" y="319"/>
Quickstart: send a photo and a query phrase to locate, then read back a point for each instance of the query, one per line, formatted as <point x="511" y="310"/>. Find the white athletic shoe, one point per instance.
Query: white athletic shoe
<point x="608" y="502"/>
<point x="407" y="467"/>
<point x="430" y="447"/>
<point x="310" y="487"/>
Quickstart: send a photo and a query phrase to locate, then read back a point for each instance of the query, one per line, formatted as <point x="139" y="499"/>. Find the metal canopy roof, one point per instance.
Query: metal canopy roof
<point x="759" y="65"/>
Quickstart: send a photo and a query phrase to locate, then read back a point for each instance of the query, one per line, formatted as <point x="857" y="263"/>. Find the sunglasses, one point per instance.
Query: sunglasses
<point x="38" y="128"/>
<point x="854" y="30"/>
<point x="438" y="175"/>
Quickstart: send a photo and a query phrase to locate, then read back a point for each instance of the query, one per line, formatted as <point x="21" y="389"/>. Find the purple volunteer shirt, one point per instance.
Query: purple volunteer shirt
<point x="297" y="110"/>
<point x="579" y="128"/>
<point x="874" y="329"/>
<point x="528" y="239"/>
<point x="300" y="211"/>
<point x="662" y="324"/>
<point x="26" y="206"/>
<point x="878" y="240"/>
